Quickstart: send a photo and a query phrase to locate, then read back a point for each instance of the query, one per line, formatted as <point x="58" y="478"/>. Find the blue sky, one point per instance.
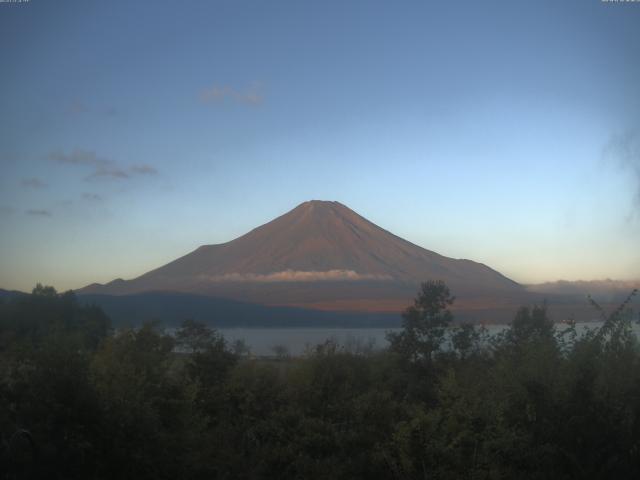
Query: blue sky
<point x="132" y="132"/>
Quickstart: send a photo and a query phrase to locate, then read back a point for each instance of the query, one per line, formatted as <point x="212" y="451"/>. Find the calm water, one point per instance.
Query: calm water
<point x="264" y="341"/>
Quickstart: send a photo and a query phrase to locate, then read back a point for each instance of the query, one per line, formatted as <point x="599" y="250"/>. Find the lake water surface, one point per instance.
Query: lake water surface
<point x="264" y="341"/>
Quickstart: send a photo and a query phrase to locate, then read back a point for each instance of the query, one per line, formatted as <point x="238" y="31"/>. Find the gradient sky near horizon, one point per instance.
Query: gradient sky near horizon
<point x="507" y="132"/>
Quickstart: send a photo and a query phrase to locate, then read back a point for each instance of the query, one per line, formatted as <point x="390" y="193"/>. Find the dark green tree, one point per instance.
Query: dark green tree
<point x="531" y="324"/>
<point x="424" y="323"/>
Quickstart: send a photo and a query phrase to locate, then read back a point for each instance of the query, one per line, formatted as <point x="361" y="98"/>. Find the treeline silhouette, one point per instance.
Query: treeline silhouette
<point x="80" y="400"/>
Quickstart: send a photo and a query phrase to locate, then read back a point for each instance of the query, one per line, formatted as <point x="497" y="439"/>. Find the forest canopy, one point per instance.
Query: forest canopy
<point x="79" y="399"/>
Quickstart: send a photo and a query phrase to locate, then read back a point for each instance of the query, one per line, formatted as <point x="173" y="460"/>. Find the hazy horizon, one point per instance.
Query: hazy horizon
<point x="133" y="133"/>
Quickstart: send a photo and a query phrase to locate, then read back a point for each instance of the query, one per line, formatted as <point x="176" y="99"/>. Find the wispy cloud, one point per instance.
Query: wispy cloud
<point x="79" y="157"/>
<point x="103" y="168"/>
<point x="294" y="276"/>
<point x="624" y="150"/>
<point x="39" y="212"/>
<point x="252" y="95"/>
<point x="108" y="172"/>
<point x="92" y="197"/>
<point x="144" y="170"/>
<point x="33" y="183"/>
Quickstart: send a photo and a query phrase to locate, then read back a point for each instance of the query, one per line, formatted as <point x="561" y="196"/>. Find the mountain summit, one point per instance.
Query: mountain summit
<point x="320" y="254"/>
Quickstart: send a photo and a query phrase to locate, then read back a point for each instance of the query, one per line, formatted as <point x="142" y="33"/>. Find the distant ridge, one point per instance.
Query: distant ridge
<point x="319" y="255"/>
<point x="172" y="308"/>
<point x="7" y="294"/>
<point x="607" y="288"/>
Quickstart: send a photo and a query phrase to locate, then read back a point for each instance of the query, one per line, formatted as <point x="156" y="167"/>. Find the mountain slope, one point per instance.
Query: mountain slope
<point x="319" y="253"/>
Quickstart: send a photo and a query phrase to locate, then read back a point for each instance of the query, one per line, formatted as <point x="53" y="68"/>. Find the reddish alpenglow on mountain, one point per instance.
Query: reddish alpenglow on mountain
<point x="322" y="255"/>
